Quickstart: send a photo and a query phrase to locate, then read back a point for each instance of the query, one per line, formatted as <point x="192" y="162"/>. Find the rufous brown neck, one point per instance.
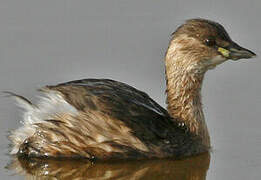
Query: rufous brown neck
<point x="184" y="93"/>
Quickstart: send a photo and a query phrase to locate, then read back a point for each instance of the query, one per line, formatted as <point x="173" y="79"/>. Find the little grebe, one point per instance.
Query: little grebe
<point x="106" y="119"/>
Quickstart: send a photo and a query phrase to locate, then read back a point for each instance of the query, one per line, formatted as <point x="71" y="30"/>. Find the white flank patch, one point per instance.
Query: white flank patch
<point x="48" y="106"/>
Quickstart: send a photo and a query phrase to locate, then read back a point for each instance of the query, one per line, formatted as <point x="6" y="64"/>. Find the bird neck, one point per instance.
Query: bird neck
<point x="184" y="96"/>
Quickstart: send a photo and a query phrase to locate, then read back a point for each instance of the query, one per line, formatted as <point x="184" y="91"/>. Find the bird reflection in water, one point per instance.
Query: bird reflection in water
<point x="158" y="169"/>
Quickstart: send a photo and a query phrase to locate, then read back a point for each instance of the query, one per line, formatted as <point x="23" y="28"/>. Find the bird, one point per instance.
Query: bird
<point x="103" y="119"/>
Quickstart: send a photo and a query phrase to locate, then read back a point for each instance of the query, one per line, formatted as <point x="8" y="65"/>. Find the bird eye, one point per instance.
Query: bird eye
<point x="210" y="41"/>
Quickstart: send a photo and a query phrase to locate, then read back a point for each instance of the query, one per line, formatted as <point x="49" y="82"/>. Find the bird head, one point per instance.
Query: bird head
<point x="200" y="44"/>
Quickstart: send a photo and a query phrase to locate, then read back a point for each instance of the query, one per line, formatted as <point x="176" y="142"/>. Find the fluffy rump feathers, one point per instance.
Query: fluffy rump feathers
<point x="48" y="107"/>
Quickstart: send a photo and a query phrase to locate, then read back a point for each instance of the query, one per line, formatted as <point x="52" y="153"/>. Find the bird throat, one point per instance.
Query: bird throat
<point x="184" y="98"/>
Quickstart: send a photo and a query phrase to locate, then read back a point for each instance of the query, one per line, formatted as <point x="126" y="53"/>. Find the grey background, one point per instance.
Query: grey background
<point x="47" y="42"/>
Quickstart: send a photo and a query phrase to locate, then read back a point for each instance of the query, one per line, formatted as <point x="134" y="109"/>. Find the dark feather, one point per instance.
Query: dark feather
<point x="147" y="120"/>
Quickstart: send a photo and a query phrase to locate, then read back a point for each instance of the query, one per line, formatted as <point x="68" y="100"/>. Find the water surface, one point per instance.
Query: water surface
<point x="187" y="169"/>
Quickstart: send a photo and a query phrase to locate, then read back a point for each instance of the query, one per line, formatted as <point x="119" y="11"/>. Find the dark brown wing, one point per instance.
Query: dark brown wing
<point x="118" y="100"/>
<point x="120" y="97"/>
<point x="148" y="121"/>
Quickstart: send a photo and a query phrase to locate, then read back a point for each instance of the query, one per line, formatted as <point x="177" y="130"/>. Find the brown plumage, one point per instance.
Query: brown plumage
<point x="106" y="119"/>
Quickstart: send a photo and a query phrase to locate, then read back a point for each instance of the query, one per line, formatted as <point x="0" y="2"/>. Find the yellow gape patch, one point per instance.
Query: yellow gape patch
<point x="224" y="52"/>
